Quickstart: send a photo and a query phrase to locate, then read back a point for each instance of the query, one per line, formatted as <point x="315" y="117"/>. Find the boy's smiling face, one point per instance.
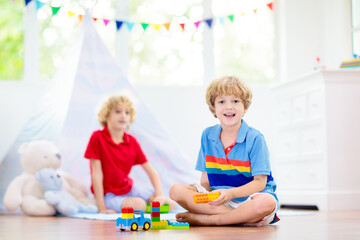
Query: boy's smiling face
<point x="229" y="110"/>
<point x="119" y="118"/>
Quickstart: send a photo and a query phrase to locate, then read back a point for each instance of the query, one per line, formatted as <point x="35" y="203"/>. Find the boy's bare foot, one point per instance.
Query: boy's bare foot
<point x="258" y="224"/>
<point x="194" y="218"/>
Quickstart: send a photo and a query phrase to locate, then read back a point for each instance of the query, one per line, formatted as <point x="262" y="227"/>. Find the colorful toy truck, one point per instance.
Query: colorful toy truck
<point x="128" y="222"/>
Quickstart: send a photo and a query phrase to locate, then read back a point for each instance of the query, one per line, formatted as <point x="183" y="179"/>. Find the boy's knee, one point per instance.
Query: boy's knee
<point x="175" y="191"/>
<point x="265" y="204"/>
<point x="134" y="202"/>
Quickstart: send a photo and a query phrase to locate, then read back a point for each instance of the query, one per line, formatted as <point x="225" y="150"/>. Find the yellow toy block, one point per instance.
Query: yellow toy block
<point x="205" y="197"/>
<point x="127" y="215"/>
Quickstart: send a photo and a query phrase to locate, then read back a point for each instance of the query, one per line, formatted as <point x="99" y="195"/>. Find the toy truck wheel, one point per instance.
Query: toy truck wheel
<point x="134" y="227"/>
<point x="146" y="226"/>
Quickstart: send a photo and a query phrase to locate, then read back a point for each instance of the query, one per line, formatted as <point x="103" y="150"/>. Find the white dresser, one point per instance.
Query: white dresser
<point x="316" y="155"/>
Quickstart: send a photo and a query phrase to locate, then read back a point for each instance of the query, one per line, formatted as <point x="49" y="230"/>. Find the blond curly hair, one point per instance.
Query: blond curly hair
<point x="225" y="86"/>
<point x="113" y="102"/>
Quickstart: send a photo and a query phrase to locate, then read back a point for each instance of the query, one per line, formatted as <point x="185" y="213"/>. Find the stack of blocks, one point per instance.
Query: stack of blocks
<point x="163" y="224"/>
<point x="155" y="211"/>
<point x="205" y="197"/>
<point x="127" y="213"/>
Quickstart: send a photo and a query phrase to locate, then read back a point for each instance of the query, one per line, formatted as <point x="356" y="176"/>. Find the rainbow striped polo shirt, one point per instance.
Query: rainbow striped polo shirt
<point x="248" y="157"/>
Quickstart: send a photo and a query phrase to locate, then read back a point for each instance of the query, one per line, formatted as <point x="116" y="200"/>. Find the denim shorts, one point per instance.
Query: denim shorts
<point x="114" y="202"/>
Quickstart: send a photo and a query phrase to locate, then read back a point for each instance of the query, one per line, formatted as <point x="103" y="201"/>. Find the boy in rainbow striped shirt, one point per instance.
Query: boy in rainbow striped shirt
<point x="234" y="160"/>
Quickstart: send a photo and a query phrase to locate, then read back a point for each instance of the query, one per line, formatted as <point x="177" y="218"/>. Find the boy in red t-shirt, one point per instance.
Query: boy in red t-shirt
<point x="113" y="152"/>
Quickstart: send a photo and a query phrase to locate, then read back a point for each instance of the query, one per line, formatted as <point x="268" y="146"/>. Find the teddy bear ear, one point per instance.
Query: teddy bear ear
<point x="23" y="148"/>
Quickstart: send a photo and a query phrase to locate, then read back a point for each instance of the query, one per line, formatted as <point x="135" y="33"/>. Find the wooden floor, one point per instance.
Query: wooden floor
<point x="322" y="225"/>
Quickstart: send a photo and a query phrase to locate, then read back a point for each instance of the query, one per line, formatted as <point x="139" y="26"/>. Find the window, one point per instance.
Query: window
<point x="244" y="40"/>
<point x="355" y="12"/>
<point x="11" y="40"/>
<point x="166" y="56"/>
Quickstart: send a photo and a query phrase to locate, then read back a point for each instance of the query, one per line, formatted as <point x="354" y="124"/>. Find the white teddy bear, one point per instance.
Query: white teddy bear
<point x="26" y="192"/>
<point x="55" y="195"/>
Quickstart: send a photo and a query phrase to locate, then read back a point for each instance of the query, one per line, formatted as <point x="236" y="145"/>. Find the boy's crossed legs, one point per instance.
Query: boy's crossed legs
<point x="257" y="211"/>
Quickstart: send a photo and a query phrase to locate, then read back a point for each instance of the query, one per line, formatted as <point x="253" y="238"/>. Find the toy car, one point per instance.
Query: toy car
<point x="129" y="222"/>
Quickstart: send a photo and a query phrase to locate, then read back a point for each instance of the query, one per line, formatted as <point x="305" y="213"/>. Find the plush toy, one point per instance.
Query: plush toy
<point x="27" y="193"/>
<point x="55" y="195"/>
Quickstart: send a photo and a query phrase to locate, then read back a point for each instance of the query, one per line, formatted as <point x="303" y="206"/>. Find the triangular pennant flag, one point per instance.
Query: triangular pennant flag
<point x="130" y="25"/>
<point x="221" y="20"/>
<point x="106" y="21"/>
<point x="81" y="18"/>
<point x="39" y="4"/>
<point x="182" y="25"/>
<point x="242" y="14"/>
<point x="209" y="22"/>
<point x="231" y="17"/>
<point x="156" y="26"/>
<point x="255" y="10"/>
<point x="167" y="26"/>
<point x="144" y="25"/>
<point x="27" y="2"/>
<point x="94" y="19"/>
<point x="197" y="24"/>
<point x="55" y="10"/>
<point x="270" y="5"/>
<point x="118" y="25"/>
<point x="71" y="13"/>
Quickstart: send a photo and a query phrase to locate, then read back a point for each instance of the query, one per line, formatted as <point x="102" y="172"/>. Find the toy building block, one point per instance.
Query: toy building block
<point x="163" y="208"/>
<point x="157" y="223"/>
<point x="166" y="224"/>
<point x="205" y="197"/>
<point x="127" y="213"/>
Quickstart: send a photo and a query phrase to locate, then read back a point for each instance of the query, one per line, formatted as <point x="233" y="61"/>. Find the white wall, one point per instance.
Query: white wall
<point x="308" y="29"/>
<point x="17" y="101"/>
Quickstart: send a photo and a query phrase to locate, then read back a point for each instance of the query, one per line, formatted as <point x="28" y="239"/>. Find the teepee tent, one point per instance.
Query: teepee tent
<point x="66" y="115"/>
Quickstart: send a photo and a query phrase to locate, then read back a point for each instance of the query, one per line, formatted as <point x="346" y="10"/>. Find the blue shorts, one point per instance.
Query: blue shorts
<point x="114" y="202"/>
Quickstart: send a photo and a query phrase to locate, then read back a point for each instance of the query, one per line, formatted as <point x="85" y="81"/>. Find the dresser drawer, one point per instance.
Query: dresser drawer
<point x="311" y="139"/>
<point x="287" y="143"/>
<point x="283" y="112"/>
<point x="298" y="108"/>
<point x="315" y="104"/>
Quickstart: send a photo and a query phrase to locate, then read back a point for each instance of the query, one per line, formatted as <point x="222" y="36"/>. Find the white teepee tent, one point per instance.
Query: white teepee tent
<point x="67" y="116"/>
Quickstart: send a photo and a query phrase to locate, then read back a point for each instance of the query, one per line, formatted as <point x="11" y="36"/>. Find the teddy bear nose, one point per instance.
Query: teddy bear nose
<point x="58" y="156"/>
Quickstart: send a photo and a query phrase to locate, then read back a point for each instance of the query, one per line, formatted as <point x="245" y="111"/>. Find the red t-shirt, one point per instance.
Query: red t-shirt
<point x="116" y="160"/>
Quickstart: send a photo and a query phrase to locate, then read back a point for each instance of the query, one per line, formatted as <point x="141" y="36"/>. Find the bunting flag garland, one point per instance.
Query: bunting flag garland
<point x="209" y="22"/>
<point x="39" y="4"/>
<point x="156" y="26"/>
<point x="81" y="18"/>
<point x="167" y="26"/>
<point x="55" y="10"/>
<point x="197" y="24"/>
<point x="144" y="25"/>
<point x="70" y="13"/>
<point x="106" y="21"/>
<point x="221" y="20"/>
<point x="130" y="25"/>
<point x="118" y="24"/>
